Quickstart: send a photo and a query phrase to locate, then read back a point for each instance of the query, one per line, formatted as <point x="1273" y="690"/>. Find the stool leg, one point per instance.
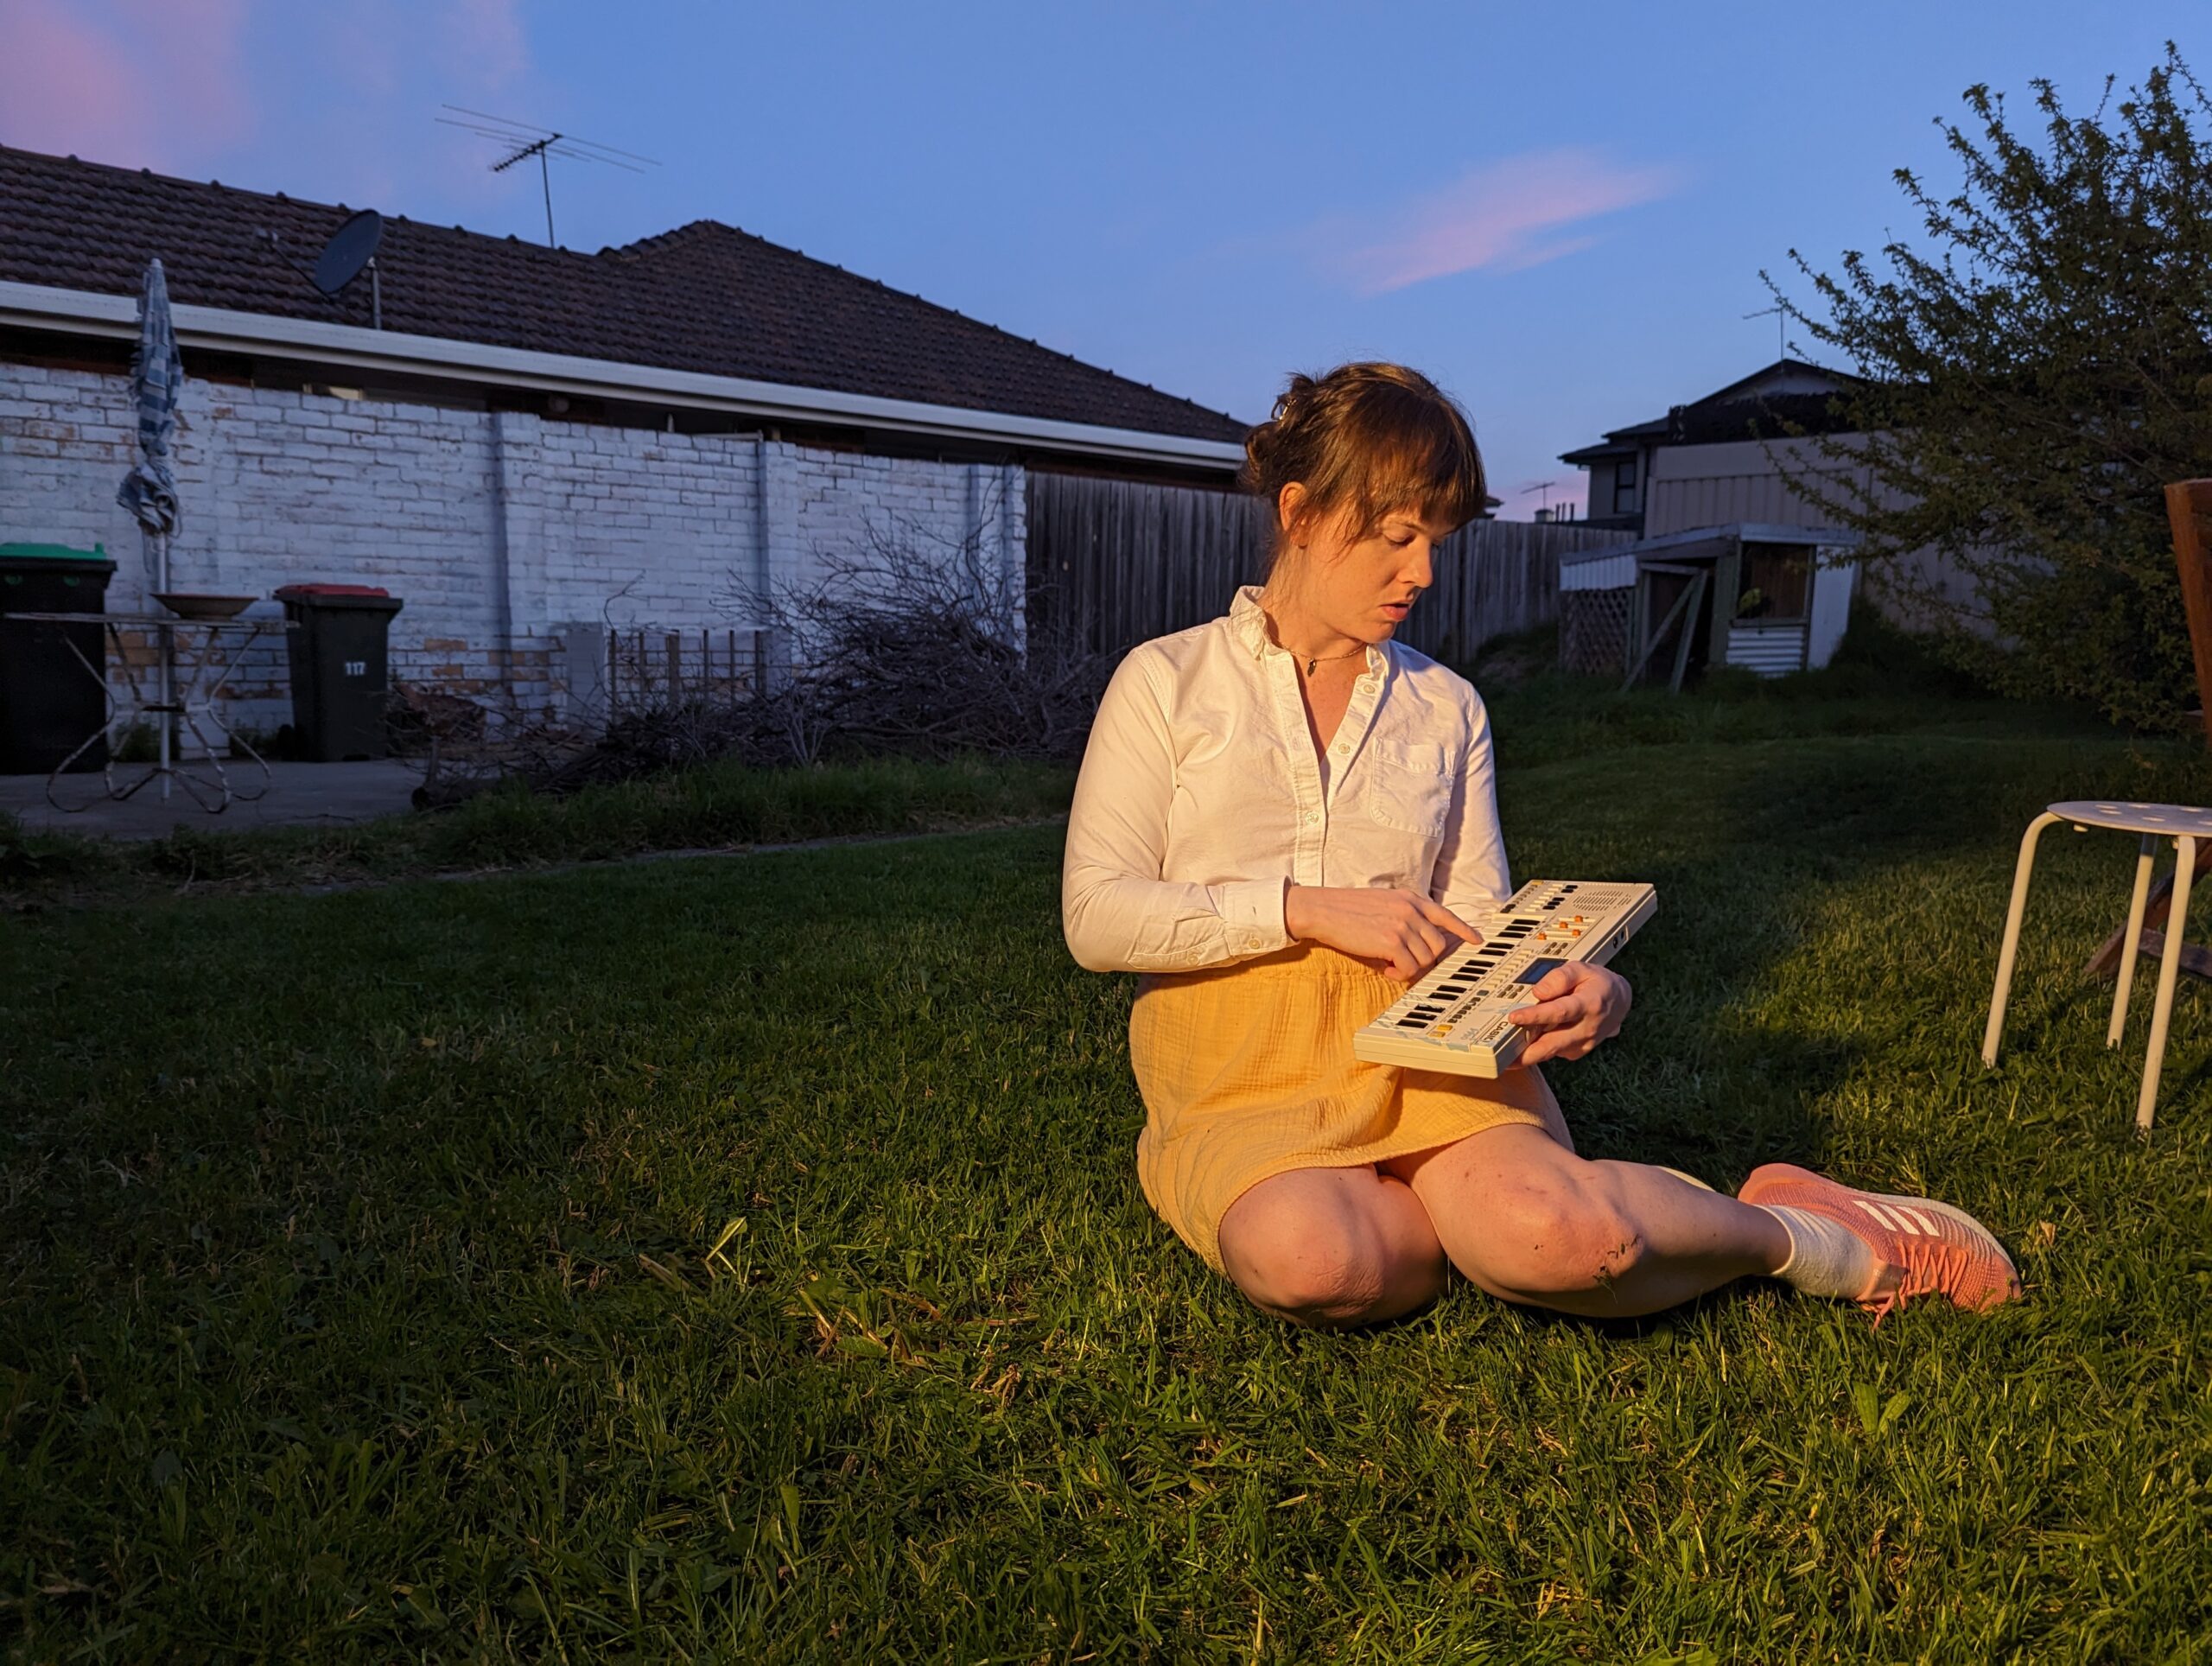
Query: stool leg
<point x="2021" y="872"/>
<point x="2131" y="942"/>
<point x="2162" y="1010"/>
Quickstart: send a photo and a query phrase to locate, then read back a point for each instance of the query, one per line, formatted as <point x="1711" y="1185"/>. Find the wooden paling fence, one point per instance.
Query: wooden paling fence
<point x="653" y="666"/>
<point x="1116" y="561"/>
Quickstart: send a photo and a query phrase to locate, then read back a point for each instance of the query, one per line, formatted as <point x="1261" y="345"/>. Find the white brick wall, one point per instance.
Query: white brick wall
<point x="495" y="528"/>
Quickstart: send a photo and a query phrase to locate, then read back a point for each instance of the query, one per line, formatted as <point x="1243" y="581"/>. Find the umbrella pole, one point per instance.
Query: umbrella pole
<point x="166" y="650"/>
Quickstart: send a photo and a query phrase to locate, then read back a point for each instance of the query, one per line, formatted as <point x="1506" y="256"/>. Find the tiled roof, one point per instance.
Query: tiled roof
<point x="1740" y="412"/>
<point x="704" y="297"/>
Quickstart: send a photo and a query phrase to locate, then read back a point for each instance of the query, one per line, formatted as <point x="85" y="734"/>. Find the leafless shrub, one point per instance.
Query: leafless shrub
<point x="470" y="746"/>
<point x="421" y="720"/>
<point x="915" y="644"/>
<point x="931" y="646"/>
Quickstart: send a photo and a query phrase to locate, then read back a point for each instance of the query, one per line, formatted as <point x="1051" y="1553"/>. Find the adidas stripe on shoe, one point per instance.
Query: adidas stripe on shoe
<point x="1918" y="1246"/>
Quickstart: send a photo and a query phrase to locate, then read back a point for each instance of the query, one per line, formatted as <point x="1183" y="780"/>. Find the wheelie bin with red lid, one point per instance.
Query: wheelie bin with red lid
<point x="338" y="647"/>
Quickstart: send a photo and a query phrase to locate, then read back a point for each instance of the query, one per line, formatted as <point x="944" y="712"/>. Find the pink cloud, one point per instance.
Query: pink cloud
<point x="142" y="84"/>
<point x="333" y="102"/>
<point x="1503" y="215"/>
<point x="67" y="85"/>
<point x="201" y="79"/>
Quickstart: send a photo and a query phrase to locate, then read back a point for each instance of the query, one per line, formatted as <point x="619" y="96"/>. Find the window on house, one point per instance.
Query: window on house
<point x="1625" y="487"/>
<point x="1777" y="582"/>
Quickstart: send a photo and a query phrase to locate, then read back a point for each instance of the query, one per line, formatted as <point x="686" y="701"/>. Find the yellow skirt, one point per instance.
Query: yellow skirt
<point x="1247" y="1072"/>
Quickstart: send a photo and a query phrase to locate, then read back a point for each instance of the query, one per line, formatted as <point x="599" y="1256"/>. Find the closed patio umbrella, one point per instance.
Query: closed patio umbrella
<point x="149" y="490"/>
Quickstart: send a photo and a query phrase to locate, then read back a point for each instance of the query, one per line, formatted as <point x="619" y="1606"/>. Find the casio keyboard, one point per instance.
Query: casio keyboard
<point x="1453" y="1018"/>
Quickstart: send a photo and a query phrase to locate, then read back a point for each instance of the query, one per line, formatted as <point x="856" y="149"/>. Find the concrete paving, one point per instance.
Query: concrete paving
<point x="326" y="795"/>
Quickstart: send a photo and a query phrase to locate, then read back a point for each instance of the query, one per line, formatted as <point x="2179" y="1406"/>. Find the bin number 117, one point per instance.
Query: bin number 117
<point x="357" y="668"/>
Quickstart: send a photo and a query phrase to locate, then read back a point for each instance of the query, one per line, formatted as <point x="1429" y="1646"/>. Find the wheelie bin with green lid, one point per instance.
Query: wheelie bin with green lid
<point x="49" y="703"/>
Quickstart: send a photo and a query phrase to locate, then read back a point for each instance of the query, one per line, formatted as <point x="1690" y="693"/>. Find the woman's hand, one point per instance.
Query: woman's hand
<point x="1402" y="931"/>
<point x="1577" y="1006"/>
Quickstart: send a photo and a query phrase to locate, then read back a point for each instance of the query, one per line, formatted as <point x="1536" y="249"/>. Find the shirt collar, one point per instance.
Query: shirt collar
<point x="1247" y="622"/>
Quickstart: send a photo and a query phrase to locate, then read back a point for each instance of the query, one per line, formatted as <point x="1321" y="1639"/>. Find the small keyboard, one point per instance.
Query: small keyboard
<point x="1453" y="1018"/>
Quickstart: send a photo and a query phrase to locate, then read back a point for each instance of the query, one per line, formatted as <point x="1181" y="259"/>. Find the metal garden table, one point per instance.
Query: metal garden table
<point x="190" y="697"/>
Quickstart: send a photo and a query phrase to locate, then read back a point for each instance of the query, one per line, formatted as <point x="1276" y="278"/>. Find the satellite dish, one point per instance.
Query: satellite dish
<point x="352" y="247"/>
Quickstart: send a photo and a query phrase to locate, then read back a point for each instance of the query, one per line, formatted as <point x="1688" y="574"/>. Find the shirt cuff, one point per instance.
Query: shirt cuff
<point x="1252" y="910"/>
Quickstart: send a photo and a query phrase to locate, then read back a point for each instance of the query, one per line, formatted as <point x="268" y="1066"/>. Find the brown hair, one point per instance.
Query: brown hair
<point x="1366" y="440"/>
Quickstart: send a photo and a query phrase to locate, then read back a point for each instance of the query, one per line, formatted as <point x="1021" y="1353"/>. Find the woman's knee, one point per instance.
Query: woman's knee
<point x="1553" y="1233"/>
<point x="1316" y="1260"/>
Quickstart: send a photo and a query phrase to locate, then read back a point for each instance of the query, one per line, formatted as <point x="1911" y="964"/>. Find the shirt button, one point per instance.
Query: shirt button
<point x="1312" y="817"/>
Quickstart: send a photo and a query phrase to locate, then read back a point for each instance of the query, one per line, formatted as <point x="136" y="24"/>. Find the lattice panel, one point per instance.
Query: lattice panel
<point x="1593" y="631"/>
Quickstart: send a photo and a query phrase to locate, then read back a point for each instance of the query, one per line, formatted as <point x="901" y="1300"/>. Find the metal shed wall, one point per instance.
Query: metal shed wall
<point x="1608" y="572"/>
<point x="1770" y="650"/>
<point x="1830" y="606"/>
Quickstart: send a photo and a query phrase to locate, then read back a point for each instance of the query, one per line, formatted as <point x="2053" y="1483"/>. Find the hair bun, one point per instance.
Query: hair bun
<point x="1262" y="449"/>
<point x="1363" y="438"/>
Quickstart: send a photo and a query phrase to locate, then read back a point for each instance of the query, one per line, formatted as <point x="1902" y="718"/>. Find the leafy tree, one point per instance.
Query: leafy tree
<point x="2037" y="373"/>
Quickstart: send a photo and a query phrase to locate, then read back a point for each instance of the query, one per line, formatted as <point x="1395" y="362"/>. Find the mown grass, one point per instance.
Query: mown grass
<point x="1883" y="684"/>
<point x="744" y="1261"/>
<point x="717" y="805"/>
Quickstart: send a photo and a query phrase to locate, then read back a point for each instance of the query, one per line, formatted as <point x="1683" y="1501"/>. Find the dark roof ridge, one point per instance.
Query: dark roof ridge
<point x="292" y="202"/>
<point x="1783" y="364"/>
<point x="704" y="296"/>
<point x="707" y="226"/>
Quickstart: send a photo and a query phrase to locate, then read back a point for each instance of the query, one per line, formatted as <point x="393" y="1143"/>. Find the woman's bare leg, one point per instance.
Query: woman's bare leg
<point x="1332" y="1247"/>
<point x="1526" y="1219"/>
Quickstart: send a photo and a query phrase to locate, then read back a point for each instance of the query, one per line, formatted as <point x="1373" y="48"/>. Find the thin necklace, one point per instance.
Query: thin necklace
<point x="1312" y="660"/>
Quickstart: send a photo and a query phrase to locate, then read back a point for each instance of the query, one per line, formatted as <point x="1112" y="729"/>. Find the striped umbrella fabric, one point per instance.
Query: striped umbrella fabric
<point x="149" y="490"/>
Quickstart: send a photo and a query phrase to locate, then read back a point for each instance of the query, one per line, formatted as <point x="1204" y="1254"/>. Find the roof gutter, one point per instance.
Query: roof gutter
<point x="83" y="312"/>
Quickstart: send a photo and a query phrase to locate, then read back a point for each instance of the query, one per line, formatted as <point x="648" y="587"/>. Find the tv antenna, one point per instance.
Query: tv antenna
<point x="523" y="140"/>
<point x="1783" y="312"/>
<point x="1544" y="487"/>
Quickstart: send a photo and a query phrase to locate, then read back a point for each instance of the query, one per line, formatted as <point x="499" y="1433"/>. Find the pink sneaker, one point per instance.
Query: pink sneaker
<point x="1924" y="1247"/>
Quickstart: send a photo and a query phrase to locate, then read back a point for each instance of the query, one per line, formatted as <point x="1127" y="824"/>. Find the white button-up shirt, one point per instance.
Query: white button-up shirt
<point x="1201" y="797"/>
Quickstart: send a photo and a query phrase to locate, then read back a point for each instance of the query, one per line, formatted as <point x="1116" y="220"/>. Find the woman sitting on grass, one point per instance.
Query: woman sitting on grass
<point x="1281" y="819"/>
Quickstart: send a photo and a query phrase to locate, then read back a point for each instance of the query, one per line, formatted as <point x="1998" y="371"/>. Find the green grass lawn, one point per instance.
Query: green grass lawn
<point x="718" y="805"/>
<point x="743" y="1260"/>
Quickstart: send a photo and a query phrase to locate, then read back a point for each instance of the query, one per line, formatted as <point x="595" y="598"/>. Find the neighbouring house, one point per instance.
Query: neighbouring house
<point x="1715" y="459"/>
<point x="1720" y="467"/>
<point x="533" y="447"/>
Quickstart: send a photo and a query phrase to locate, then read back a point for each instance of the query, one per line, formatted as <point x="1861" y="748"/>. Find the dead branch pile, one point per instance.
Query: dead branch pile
<point x="914" y="646"/>
<point x="933" y="652"/>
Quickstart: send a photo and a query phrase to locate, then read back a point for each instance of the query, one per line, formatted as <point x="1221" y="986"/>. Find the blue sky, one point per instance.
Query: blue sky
<point x="1559" y="212"/>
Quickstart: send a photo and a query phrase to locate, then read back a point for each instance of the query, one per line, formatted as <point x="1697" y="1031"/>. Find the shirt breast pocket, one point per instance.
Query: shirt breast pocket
<point x="1410" y="786"/>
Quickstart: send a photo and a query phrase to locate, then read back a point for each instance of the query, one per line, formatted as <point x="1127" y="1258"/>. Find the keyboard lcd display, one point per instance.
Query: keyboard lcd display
<point x="1535" y="970"/>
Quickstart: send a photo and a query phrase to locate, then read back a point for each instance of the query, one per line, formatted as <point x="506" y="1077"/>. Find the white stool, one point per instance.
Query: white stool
<point x="2185" y="825"/>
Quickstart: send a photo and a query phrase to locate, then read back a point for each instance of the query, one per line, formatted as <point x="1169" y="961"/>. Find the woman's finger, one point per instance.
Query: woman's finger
<point x="1542" y="1048"/>
<point x="1423" y="942"/>
<point x="1558" y="1044"/>
<point x="1557" y="981"/>
<point x="1444" y="917"/>
<point x="1555" y="1013"/>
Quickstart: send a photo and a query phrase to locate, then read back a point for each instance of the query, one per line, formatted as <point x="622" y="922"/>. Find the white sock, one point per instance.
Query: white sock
<point x="1825" y="1257"/>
